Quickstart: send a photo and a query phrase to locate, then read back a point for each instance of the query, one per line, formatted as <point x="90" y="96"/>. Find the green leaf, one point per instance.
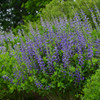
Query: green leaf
<point x="60" y="84"/>
<point x="3" y="72"/>
<point x="71" y="80"/>
<point x="11" y="89"/>
<point x="44" y="59"/>
<point x="72" y="69"/>
<point x="31" y="71"/>
<point x="22" y="85"/>
<point x="75" y="56"/>
<point x="44" y="80"/>
<point x="30" y="78"/>
<point x="55" y="73"/>
<point x="54" y="63"/>
<point x="94" y="60"/>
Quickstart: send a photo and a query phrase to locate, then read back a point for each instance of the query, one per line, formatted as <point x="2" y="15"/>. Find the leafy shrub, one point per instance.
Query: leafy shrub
<point x="68" y="8"/>
<point x="91" y="8"/>
<point x="92" y="87"/>
<point x="8" y="81"/>
<point x="32" y="6"/>
<point x="58" y="8"/>
<point x="7" y="62"/>
<point x="58" y="58"/>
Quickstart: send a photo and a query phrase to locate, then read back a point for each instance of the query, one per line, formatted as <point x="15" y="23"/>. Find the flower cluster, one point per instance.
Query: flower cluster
<point x="58" y="54"/>
<point x="62" y="43"/>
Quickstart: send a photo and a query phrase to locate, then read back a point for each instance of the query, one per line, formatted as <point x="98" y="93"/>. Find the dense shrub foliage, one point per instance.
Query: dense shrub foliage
<point x="61" y="8"/>
<point x="53" y="60"/>
<point x="58" y="8"/>
<point x="7" y="63"/>
<point x="92" y="88"/>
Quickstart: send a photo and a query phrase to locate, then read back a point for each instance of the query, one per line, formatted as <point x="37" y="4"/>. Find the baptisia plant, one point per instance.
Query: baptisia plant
<point x="56" y="59"/>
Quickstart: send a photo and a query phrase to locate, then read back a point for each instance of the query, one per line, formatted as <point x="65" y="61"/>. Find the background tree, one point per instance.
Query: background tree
<point x="34" y="7"/>
<point x="14" y="12"/>
<point x="58" y="8"/>
<point x="11" y="13"/>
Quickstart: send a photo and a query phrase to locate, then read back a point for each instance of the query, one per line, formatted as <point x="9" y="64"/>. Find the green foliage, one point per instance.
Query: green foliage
<point x="57" y="81"/>
<point x="11" y="13"/>
<point x="7" y="62"/>
<point x="16" y="12"/>
<point x="9" y="88"/>
<point x="57" y="8"/>
<point x="92" y="88"/>
<point x="61" y="80"/>
<point x="86" y="6"/>
<point x="32" y="6"/>
<point x="95" y="34"/>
